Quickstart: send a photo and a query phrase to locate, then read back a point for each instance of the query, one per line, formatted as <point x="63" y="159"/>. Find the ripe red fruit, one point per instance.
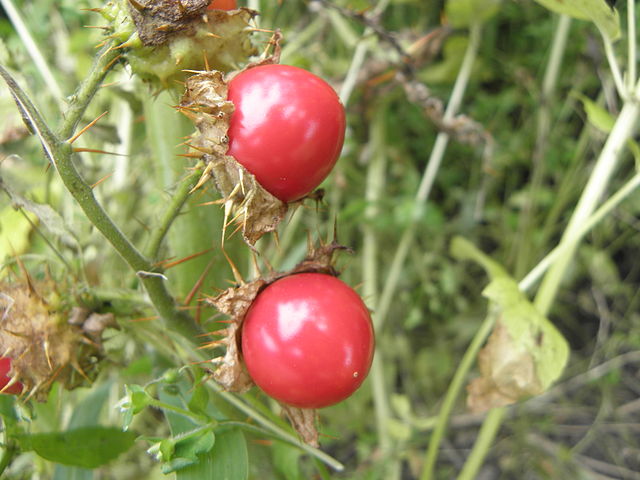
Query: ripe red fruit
<point x="307" y="340"/>
<point x="223" y="5"/>
<point x="287" y="128"/>
<point x="5" y="367"/>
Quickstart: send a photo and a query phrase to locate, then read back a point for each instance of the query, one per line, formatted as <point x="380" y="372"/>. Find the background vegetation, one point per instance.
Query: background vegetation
<point x="506" y="175"/>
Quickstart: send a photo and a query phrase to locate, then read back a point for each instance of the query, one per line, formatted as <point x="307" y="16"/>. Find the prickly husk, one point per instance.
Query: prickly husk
<point x="38" y="335"/>
<point x="251" y="206"/>
<point x="162" y="38"/>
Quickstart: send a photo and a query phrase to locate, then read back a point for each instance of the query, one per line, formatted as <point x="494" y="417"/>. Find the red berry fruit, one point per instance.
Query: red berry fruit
<point x="223" y="5"/>
<point x="16" y="387"/>
<point x="307" y="340"/>
<point x="287" y="128"/>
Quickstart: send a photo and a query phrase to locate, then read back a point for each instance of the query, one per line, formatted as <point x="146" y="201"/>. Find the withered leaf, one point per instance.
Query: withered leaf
<point x="525" y="353"/>
<point x="158" y="20"/>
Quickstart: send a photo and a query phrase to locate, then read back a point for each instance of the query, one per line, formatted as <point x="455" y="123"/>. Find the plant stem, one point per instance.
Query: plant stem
<point x="33" y="50"/>
<point x="178" y="199"/>
<point x="80" y="100"/>
<point x="453" y="391"/>
<point x="543" y="127"/>
<point x="483" y="443"/>
<point x="374" y="191"/>
<point x="428" y="178"/>
<point x="615" y="69"/>
<point x="160" y="297"/>
<point x="532" y="277"/>
<point x="631" y="38"/>
<point x="622" y="131"/>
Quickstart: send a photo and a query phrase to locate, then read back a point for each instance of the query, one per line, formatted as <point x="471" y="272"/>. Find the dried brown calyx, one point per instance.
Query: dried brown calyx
<point x="46" y="340"/>
<point x="249" y="205"/>
<point x="234" y="302"/>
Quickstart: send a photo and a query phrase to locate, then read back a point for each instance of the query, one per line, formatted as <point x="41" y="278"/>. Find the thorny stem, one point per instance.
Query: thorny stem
<point x="178" y="200"/>
<point x="79" y="101"/>
<point x="160" y="297"/>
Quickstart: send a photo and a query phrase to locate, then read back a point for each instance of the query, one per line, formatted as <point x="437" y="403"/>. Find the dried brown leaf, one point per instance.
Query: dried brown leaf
<point x="304" y="421"/>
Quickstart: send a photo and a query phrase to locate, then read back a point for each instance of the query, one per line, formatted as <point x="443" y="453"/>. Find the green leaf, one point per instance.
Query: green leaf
<point x="87" y="447"/>
<point x="286" y="460"/>
<point x="525" y="353"/>
<point x="31" y="116"/>
<point x="15" y="229"/>
<point x="135" y="400"/>
<point x="199" y="400"/>
<point x="228" y="460"/>
<point x="597" y="11"/>
<point x="186" y="450"/>
<point x="596" y="114"/>
<point x="462" y="13"/>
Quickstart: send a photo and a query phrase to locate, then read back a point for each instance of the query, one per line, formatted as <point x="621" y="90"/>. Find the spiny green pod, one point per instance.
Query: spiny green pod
<point x="47" y="339"/>
<point x="161" y="39"/>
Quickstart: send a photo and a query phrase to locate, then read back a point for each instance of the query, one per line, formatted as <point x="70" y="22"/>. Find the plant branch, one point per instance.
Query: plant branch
<point x="453" y="391"/>
<point x="622" y="131"/>
<point x="632" y="49"/>
<point x="80" y="100"/>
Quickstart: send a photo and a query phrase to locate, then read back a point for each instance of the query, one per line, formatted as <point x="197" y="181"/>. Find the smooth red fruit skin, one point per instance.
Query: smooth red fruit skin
<point x="287" y="128"/>
<point x="5" y="367"/>
<point x="223" y="5"/>
<point x="307" y="340"/>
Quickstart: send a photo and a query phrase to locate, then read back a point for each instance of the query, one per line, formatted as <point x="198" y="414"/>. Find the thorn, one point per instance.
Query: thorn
<point x="209" y="34"/>
<point x="94" y="150"/>
<point x="190" y="155"/>
<point x="236" y="274"/>
<point x="185" y="259"/>
<point x="138" y="6"/>
<point x="198" y="284"/>
<point x="163" y="28"/>
<point x="91" y="124"/>
<point x="206" y="61"/>
<point x="101" y="180"/>
<point x="99" y="27"/>
<point x="110" y="64"/>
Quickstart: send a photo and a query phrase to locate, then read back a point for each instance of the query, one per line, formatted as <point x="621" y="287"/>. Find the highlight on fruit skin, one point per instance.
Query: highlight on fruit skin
<point x="160" y="39"/>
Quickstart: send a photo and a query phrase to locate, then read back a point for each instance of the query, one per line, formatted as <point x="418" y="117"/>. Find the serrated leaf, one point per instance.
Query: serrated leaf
<point x="597" y="11"/>
<point x="524" y="354"/>
<point x="87" y="447"/>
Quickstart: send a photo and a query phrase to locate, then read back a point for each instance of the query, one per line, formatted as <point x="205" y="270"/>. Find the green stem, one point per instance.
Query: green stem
<point x="452" y="394"/>
<point x="178" y="199"/>
<point x="433" y="165"/>
<point x="622" y="131"/>
<point x="80" y="100"/>
<point x="615" y="69"/>
<point x="488" y="431"/>
<point x="374" y="191"/>
<point x="631" y="38"/>
<point x="177" y="410"/>
<point x="153" y="282"/>
<point x="561" y="250"/>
